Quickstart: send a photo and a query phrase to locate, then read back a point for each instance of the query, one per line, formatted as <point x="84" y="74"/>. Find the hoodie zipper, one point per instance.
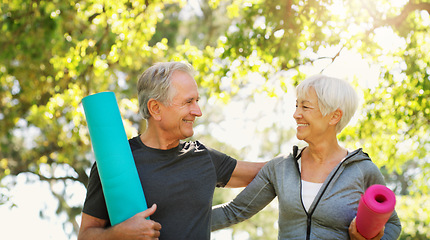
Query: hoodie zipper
<point x="309" y="214"/>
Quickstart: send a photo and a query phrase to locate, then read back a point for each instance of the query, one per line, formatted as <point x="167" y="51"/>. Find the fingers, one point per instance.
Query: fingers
<point x="353" y="233"/>
<point x="149" y="238"/>
<point x="150" y="229"/>
<point x="148" y="212"/>
<point x="153" y="230"/>
<point x="153" y="225"/>
<point x="352" y="226"/>
<point x="156" y="226"/>
<point x="380" y="234"/>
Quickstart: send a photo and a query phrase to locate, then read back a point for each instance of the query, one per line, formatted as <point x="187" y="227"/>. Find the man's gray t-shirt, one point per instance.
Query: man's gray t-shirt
<point x="181" y="181"/>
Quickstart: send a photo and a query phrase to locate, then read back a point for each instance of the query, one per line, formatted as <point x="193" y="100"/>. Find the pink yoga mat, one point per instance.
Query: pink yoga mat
<point x="374" y="210"/>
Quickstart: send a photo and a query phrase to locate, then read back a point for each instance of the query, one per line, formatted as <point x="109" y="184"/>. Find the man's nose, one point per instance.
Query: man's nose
<point x="196" y="111"/>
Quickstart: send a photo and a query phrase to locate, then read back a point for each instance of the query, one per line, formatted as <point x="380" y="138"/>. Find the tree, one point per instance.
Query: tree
<point x="52" y="54"/>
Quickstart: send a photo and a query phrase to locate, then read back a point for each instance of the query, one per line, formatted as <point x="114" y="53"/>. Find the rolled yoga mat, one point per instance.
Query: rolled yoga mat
<point x="118" y="174"/>
<point x="374" y="210"/>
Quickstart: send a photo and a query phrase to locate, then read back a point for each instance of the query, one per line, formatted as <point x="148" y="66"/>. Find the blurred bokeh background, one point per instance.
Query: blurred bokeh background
<point x="248" y="54"/>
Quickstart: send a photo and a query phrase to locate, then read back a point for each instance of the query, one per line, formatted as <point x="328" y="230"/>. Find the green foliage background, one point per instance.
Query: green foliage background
<point x="54" y="53"/>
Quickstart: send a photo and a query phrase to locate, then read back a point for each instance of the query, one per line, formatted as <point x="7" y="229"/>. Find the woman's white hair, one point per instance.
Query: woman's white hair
<point x="333" y="94"/>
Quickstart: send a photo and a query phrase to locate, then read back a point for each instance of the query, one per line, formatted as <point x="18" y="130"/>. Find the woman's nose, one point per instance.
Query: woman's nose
<point x="297" y="113"/>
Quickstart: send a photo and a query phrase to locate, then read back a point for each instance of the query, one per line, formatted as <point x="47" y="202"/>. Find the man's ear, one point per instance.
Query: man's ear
<point x="154" y="109"/>
<point x="336" y="116"/>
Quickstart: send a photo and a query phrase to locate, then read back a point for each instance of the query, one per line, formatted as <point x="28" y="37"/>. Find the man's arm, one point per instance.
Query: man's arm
<point x="244" y="173"/>
<point x="137" y="227"/>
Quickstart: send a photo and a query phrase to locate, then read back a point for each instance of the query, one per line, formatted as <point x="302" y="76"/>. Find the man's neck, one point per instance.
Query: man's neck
<point x="153" y="140"/>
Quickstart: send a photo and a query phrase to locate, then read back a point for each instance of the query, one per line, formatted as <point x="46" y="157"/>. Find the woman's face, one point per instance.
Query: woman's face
<point x="312" y="126"/>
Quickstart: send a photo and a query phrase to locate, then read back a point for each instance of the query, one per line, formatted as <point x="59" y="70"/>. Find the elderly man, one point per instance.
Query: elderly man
<point x="178" y="177"/>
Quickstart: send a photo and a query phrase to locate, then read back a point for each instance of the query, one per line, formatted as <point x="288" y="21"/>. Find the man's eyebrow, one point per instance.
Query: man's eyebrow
<point x="191" y="99"/>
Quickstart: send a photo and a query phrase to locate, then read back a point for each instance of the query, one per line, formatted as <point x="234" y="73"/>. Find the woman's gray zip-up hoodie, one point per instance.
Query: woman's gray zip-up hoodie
<point x="332" y="210"/>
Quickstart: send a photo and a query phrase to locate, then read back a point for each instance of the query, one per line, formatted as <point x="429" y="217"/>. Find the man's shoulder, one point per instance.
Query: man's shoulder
<point x="199" y="148"/>
<point x="135" y="143"/>
<point x="197" y="145"/>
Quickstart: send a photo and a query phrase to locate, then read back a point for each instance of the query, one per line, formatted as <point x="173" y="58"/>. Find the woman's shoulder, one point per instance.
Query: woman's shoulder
<point x="360" y="158"/>
<point x="364" y="163"/>
<point x="281" y="159"/>
<point x="279" y="168"/>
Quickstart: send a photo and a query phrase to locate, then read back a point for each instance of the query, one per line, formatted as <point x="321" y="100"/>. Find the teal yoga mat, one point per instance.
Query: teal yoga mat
<point x="118" y="174"/>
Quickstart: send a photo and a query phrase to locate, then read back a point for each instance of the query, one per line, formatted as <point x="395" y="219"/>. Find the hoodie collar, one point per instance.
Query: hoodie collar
<point x="353" y="156"/>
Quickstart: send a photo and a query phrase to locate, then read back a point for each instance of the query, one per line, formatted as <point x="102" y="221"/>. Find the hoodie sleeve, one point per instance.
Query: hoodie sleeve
<point x="250" y="201"/>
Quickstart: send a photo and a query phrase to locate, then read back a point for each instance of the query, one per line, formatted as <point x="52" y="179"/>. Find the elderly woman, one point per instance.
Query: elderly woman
<point x="319" y="186"/>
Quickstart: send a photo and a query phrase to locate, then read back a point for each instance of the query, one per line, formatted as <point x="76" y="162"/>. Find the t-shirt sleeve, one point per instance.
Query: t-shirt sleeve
<point x="224" y="166"/>
<point x="95" y="204"/>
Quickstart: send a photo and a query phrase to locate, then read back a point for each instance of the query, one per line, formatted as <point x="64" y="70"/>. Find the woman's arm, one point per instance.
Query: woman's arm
<point x="393" y="227"/>
<point x="250" y="201"/>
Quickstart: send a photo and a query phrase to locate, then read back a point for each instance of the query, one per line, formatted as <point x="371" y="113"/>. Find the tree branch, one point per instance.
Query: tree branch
<point x="314" y="60"/>
<point x="51" y="179"/>
<point x="409" y="7"/>
<point x="333" y="58"/>
<point x="396" y="21"/>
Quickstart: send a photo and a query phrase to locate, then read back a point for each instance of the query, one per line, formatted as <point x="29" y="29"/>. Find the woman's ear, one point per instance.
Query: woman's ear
<point x="336" y="116"/>
<point x="154" y="109"/>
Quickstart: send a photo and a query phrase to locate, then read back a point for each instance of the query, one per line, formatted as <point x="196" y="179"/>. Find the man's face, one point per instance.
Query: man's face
<point x="177" y="119"/>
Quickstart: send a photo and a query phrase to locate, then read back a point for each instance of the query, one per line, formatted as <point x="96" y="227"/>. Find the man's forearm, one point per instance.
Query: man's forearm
<point x="135" y="227"/>
<point x="244" y="173"/>
<point x="94" y="233"/>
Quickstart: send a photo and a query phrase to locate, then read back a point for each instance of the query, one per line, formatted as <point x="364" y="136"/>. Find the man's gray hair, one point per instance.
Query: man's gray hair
<point x="332" y="93"/>
<point x="155" y="83"/>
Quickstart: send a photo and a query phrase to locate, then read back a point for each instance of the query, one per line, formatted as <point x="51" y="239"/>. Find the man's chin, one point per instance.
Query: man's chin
<point x="188" y="135"/>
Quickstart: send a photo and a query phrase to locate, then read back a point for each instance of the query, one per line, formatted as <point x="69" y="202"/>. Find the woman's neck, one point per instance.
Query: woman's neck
<point x="324" y="152"/>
